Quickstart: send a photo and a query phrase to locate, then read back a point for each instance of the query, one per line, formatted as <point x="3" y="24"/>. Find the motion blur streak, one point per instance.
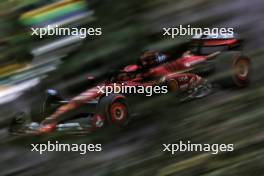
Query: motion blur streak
<point x="29" y="65"/>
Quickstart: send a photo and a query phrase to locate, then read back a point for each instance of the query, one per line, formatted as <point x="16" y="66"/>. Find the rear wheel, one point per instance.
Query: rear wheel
<point x="241" y="71"/>
<point x="233" y="70"/>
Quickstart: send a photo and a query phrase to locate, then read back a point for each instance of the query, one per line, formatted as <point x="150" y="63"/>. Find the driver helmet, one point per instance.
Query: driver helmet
<point x="150" y="58"/>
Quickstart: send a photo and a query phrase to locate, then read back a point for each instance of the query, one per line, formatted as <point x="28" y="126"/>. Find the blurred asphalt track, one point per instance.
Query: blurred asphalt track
<point x="227" y="116"/>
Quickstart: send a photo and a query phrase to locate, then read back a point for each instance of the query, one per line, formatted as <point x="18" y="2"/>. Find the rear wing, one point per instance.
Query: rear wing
<point x="206" y="44"/>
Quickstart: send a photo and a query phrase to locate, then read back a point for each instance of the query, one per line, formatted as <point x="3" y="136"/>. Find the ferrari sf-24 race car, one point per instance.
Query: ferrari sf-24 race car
<point x="207" y="61"/>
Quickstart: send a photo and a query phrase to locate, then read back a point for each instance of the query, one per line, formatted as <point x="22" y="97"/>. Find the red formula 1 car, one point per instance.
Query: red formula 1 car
<point x="218" y="59"/>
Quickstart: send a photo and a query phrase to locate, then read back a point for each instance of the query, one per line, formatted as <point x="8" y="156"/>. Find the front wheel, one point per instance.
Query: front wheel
<point x="115" y="109"/>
